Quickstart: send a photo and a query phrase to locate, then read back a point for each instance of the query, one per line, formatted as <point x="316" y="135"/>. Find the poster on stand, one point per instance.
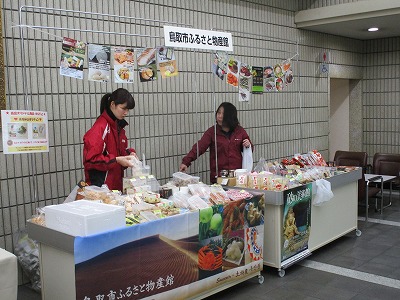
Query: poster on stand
<point x="296" y="221"/>
<point x="72" y="58"/>
<point x="99" y="62"/>
<point x="124" y="63"/>
<point x="166" y="62"/>
<point x="24" y="131"/>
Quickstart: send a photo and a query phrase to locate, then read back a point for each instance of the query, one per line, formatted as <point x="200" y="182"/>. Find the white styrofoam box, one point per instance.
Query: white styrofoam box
<point x="83" y="217"/>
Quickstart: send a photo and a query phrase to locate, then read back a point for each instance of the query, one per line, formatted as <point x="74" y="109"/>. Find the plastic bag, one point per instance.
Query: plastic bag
<point x="324" y="192"/>
<point x="247" y="159"/>
<point x="27" y="252"/>
<point x="261" y="166"/>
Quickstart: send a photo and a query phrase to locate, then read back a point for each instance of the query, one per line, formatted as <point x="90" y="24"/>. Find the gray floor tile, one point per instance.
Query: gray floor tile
<point x="346" y="262"/>
<point x="327" y="292"/>
<point x="382" y="292"/>
<point x="375" y="268"/>
<point x="366" y="253"/>
<point x="393" y="251"/>
<point x="349" y="284"/>
<point x="387" y="260"/>
<point x="395" y="274"/>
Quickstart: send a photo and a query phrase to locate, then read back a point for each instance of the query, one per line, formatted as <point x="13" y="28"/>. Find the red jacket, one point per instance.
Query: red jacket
<point x="101" y="145"/>
<point x="229" y="149"/>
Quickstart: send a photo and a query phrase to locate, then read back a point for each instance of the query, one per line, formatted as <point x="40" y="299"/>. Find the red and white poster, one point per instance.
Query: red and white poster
<point x="24" y="131"/>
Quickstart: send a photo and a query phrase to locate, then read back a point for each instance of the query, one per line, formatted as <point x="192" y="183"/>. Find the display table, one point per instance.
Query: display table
<point x="329" y="221"/>
<point x="154" y="260"/>
<point x="380" y="179"/>
<point x="8" y="275"/>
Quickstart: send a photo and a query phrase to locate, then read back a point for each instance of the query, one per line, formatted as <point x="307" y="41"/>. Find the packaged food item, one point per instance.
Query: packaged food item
<point x="238" y="194"/>
<point x="218" y="195"/>
<point x="182" y="179"/>
<point x="195" y="202"/>
<point x="180" y="199"/>
<point x="252" y="181"/>
<point x="151" y="197"/>
<point x="200" y="189"/>
<point x="241" y="177"/>
<point x="93" y="192"/>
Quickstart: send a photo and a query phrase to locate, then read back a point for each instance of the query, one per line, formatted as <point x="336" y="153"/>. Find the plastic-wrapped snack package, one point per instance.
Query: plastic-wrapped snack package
<point x="218" y="195"/>
<point x="200" y="189"/>
<point x="93" y="192"/>
<point x="180" y="199"/>
<point x="252" y="181"/>
<point x="277" y="183"/>
<point x="195" y="202"/>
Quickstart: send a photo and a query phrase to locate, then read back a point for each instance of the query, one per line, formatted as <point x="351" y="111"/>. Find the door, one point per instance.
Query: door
<point x="339" y="127"/>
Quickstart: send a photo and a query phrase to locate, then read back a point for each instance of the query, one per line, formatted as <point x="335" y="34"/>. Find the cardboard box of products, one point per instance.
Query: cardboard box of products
<point x="228" y="181"/>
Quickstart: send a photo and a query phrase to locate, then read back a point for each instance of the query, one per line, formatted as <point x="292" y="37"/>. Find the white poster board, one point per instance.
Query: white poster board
<point x="24" y="131"/>
<point x="180" y="37"/>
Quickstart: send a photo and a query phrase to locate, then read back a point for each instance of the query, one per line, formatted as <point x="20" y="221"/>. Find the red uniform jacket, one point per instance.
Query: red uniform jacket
<point x="101" y="145"/>
<point x="229" y="149"/>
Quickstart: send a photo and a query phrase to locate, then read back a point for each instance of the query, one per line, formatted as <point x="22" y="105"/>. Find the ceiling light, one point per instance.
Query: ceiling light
<point x="373" y="29"/>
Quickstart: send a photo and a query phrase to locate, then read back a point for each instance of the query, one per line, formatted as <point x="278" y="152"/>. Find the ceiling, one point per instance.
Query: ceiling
<point x="353" y="19"/>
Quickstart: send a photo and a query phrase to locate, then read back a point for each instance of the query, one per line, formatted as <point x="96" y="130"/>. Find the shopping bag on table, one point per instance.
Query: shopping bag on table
<point x="247" y="159"/>
<point x="324" y="192"/>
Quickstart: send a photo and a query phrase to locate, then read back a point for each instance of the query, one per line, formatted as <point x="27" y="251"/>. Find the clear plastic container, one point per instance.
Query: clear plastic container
<point x="182" y="179"/>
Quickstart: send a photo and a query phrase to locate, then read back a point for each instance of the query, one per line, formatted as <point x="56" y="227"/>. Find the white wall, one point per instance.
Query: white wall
<point x="339" y="116"/>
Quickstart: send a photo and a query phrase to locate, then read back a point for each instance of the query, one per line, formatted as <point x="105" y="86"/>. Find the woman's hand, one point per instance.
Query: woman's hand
<point x="246" y="143"/>
<point x="134" y="155"/>
<point x="125" y="161"/>
<point x="183" y="168"/>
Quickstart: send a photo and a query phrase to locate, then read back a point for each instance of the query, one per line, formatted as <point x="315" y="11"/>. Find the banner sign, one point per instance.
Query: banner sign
<point x="180" y="37"/>
<point x="178" y="257"/>
<point x="296" y="221"/>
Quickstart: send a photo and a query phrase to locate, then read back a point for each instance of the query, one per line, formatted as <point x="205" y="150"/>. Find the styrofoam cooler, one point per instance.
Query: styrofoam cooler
<point x="82" y="218"/>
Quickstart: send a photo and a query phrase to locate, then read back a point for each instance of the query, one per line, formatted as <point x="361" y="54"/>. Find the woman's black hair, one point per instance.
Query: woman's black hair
<point x="119" y="96"/>
<point x="230" y="115"/>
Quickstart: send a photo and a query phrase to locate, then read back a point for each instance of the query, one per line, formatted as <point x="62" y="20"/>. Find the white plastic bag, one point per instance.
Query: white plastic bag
<point x="247" y="160"/>
<point x="324" y="192"/>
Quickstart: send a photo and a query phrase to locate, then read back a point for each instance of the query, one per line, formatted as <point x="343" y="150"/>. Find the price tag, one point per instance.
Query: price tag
<point x="224" y="181"/>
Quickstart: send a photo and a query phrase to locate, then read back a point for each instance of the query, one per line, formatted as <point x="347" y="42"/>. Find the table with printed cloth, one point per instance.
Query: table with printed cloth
<point x="186" y="256"/>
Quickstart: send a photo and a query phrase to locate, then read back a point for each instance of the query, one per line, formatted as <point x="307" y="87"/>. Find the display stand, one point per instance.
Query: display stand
<point x="72" y="269"/>
<point x="329" y="221"/>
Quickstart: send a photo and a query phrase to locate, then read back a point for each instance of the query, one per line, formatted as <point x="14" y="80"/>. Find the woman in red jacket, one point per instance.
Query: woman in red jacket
<point x="231" y="138"/>
<point x="105" y="147"/>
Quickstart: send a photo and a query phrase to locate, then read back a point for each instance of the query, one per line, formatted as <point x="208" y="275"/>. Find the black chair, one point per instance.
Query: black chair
<point x="387" y="164"/>
<point x="366" y="189"/>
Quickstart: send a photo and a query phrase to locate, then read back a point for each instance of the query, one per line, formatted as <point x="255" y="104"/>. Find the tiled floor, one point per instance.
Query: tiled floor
<point x="365" y="267"/>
